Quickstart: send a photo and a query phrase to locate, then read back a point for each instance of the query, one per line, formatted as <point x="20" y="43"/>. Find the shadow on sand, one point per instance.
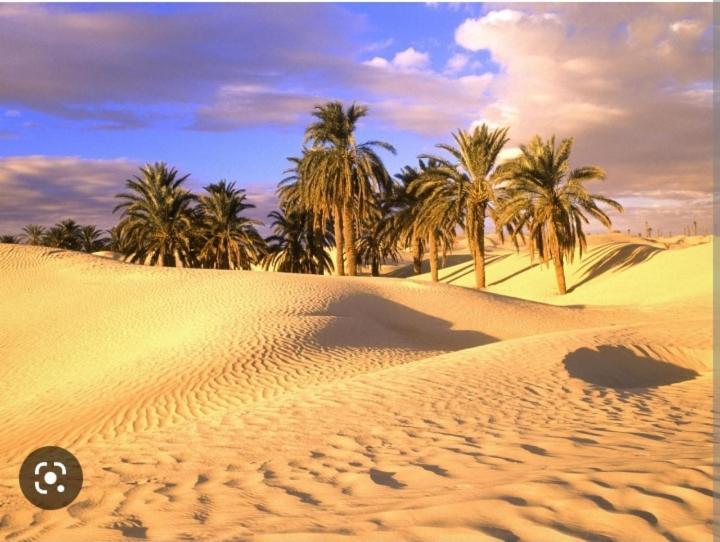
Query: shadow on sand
<point x="469" y="269"/>
<point x="515" y="274"/>
<point x="620" y="368"/>
<point x="450" y="260"/>
<point x="370" y="321"/>
<point x="614" y="257"/>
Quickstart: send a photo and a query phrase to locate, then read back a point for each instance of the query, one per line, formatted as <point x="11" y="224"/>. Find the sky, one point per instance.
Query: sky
<point x="89" y="92"/>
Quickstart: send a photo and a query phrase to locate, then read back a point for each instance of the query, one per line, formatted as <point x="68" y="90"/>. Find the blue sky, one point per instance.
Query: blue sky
<point x="254" y="154"/>
<point x="90" y="92"/>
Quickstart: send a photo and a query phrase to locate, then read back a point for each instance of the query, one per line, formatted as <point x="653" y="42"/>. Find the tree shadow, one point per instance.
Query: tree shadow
<point x="451" y="260"/>
<point x="370" y="321"/>
<point x="620" y="368"/>
<point x="515" y="274"/>
<point x="614" y="257"/>
<point x="406" y="271"/>
<point x="470" y="268"/>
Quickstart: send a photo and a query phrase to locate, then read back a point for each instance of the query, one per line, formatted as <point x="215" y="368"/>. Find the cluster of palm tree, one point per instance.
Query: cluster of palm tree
<point x="67" y="234"/>
<point x="339" y="194"/>
<point x="163" y="223"/>
<point x="535" y="198"/>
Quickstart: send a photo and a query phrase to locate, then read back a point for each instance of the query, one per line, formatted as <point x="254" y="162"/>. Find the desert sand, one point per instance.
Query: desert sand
<point x="218" y="405"/>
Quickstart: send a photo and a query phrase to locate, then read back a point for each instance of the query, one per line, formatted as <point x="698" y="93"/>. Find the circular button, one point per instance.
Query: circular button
<point x="51" y="477"/>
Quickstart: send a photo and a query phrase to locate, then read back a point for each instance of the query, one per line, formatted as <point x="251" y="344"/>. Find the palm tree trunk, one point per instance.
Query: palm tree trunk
<point x="338" y="224"/>
<point x="375" y="265"/>
<point x="480" y="248"/>
<point x="349" y="238"/>
<point x="433" y="257"/>
<point x="416" y="252"/>
<point x="560" y="274"/>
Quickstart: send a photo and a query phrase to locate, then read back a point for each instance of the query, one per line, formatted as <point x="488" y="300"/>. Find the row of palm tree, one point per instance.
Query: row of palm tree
<point x="535" y="198"/>
<point x="339" y="194"/>
<point x="163" y="223"/>
<point x="67" y="234"/>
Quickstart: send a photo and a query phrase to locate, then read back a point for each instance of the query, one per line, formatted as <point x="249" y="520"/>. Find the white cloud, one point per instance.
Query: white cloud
<point x="410" y="59"/>
<point x="407" y="60"/>
<point x="629" y="82"/>
<point x="457" y="62"/>
<point x="378" y="62"/>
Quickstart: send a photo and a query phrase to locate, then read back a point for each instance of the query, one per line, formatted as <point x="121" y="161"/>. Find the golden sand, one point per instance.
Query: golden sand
<point x="215" y="405"/>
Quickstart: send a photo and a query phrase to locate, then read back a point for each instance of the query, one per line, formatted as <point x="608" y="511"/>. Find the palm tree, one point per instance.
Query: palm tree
<point x="297" y="244"/>
<point x="301" y="235"/>
<point x="92" y="239"/>
<point x="228" y="239"/>
<point x="377" y="242"/>
<point x="550" y="201"/>
<point x="54" y="237"/>
<point x="405" y="213"/>
<point x="340" y="176"/>
<point x="288" y="190"/>
<point x="157" y="217"/>
<point x="70" y="233"/>
<point x="9" y="239"/>
<point x="33" y="234"/>
<point x="471" y="170"/>
<point x="65" y="234"/>
<point x="438" y="214"/>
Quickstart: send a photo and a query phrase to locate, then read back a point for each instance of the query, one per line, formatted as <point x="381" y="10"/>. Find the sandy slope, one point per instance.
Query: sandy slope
<point x="610" y="273"/>
<point x="232" y="405"/>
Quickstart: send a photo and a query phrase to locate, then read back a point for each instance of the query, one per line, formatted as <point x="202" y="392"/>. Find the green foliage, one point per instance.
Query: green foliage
<point x="297" y="244"/>
<point x="228" y="240"/>
<point x="467" y="183"/>
<point x="548" y="202"/>
<point x="376" y="244"/>
<point x="33" y="234"/>
<point x="92" y="239"/>
<point x="340" y="177"/>
<point x="341" y="185"/>
<point x="157" y="218"/>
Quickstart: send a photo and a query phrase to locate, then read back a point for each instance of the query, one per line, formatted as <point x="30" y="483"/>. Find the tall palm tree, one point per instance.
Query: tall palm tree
<point x="92" y="239"/>
<point x="33" y="234"/>
<point x="228" y="239"/>
<point x="157" y="217"/>
<point x="549" y="201"/>
<point x="340" y="176"/>
<point x="471" y="169"/>
<point x="297" y="244"/>
<point x="294" y="193"/>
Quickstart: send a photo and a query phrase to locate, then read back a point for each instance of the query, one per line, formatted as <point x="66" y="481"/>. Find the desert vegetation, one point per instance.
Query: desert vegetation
<point x="339" y="195"/>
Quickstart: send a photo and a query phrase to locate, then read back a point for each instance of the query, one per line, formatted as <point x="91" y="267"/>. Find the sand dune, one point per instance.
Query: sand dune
<point x="217" y="405"/>
<point x="616" y="270"/>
